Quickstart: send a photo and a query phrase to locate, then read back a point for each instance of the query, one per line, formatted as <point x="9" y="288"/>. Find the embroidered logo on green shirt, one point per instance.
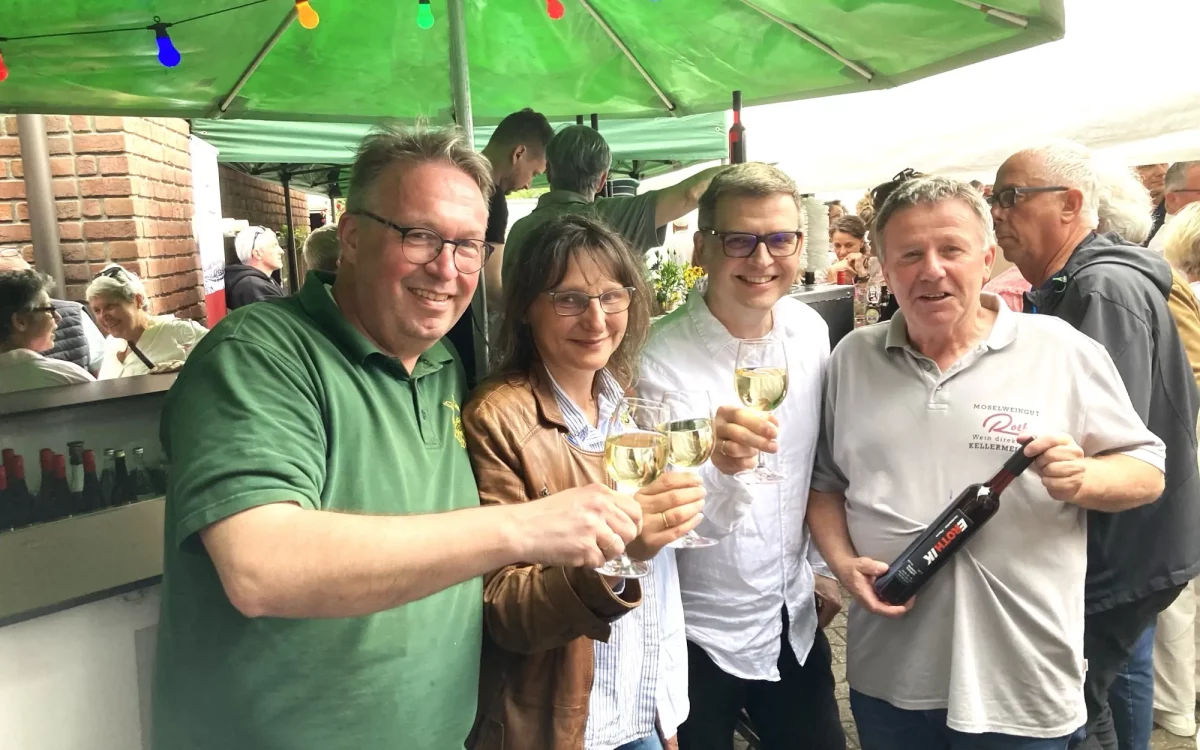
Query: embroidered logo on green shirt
<point x="458" y="430"/>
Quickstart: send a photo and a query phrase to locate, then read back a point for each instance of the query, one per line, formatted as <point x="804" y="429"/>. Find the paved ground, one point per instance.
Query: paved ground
<point x="837" y="640"/>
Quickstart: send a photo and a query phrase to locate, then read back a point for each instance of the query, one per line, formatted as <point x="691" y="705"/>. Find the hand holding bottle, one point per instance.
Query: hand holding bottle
<point x="740" y="434"/>
<point x="1060" y="463"/>
<point x="857" y="575"/>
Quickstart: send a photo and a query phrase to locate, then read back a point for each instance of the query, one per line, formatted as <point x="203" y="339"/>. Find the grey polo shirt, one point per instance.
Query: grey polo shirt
<point x="631" y="217"/>
<point x="997" y="637"/>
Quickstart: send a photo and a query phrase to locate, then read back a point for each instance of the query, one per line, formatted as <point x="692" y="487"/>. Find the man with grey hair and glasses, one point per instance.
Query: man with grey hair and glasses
<point x="989" y="654"/>
<point x="1181" y="187"/>
<point x="577" y="163"/>
<point x="324" y="546"/>
<point x="755" y="604"/>
<point x="1045" y="205"/>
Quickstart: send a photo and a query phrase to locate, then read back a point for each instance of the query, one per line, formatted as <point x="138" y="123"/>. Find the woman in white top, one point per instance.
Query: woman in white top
<point x="27" y="323"/>
<point x="138" y="342"/>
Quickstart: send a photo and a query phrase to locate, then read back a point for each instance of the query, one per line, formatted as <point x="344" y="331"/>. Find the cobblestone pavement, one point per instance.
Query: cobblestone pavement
<point x="836" y="632"/>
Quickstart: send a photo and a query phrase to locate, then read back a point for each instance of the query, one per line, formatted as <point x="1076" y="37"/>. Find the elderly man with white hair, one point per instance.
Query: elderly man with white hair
<point x="1045" y="204"/>
<point x="989" y="655"/>
<point x="250" y="280"/>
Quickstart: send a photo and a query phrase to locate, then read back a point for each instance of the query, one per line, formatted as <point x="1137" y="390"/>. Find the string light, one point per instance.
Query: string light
<point x="3" y="68"/>
<point x="555" y="9"/>
<point x="424" y="15"/>
<point x="167" y="54"/>
<point x="307" y="16"/>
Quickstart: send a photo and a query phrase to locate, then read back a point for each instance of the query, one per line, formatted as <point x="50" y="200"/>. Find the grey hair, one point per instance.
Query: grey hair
<point x="321" y="249"/>
<point x="1125" y="206"/>
<point x="1177" y="175"/>
<point x="1181" y="241"/>
<point x="124" y="285"/>
<point x="749" y="180"/>
<point x="253" y="238"/>
<point x="1071" y="165"/>
<point x="576" y="158"/>
<point x="930" y="191"/>
<point x="391" y="144"/>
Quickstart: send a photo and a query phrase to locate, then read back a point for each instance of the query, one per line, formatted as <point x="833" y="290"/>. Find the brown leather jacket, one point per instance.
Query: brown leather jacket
<point x="540" y="621"/>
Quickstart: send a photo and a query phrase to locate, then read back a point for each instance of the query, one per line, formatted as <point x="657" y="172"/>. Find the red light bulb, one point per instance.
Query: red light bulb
<point x="555" y="9"/>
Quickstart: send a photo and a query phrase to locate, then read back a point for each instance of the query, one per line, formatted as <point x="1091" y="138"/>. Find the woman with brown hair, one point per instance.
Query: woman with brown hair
<point x="574" y="660"/>
<point x="848" y="239"/>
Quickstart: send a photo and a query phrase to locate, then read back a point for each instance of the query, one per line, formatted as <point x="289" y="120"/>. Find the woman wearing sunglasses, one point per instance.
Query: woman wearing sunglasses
<point x="138" y="342"/>
<point x="27" y="323"/>
<point x="574" y="660"/>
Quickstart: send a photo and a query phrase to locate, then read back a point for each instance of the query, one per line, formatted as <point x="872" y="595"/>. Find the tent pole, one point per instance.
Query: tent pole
<point x="253" y="66"/>
<point x="460" y="86"/>
<point x="39" y="193"/>
<point x="293" y="278"/>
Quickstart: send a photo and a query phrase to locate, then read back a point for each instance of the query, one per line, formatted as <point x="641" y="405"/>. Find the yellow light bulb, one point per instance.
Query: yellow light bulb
<point x="307" y="16"/>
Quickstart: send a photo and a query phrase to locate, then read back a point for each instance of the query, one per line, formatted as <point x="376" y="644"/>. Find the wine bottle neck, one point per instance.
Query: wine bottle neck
<point x="1000" y="481"/>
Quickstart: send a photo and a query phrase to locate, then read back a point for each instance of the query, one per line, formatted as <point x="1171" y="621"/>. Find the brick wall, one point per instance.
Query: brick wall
<point x="123" y="190"/>
<point x="260" y="201"/>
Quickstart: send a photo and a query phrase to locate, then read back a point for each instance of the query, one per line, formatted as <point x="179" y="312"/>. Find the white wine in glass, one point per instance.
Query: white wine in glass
<point x="761" y="379"/>
<point x="635" y="453"/>
<point x="689" y="443"/>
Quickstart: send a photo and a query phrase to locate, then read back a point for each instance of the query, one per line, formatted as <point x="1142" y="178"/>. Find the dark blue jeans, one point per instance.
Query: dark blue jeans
<point x="1131" y="696"/>
<point x="646" y="743"/>
<point x="882" y="726"/>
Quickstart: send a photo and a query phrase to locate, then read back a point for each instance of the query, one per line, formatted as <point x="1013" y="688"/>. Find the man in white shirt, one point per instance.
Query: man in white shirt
<point x="750" y="612"/>
<point x="989" y="654"/>
<point x="1181" y="187"/>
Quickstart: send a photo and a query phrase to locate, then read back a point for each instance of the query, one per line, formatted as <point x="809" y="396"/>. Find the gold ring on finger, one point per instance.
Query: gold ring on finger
<point x="666" y="524"/>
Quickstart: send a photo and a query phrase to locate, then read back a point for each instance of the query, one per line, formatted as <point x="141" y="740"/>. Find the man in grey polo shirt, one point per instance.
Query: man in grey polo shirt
<point x="990" y="654"/>
<point x="577" y="163"/>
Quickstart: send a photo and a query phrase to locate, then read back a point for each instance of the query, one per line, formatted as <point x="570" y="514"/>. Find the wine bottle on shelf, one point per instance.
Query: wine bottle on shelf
<point x="8" y="455"/>
<point x="44" y="503"/>
<point x="75" y="475"/>
<point x="20" y="499"/>
<point x="91" y="497"/>
<point x="948" y="533"/>
<point x="108" y="477"/>
<point x="123" y="493"/>
<point x="63" y="504"/>
<point x="143" y="489"/>
<point x="737" y="133"/>
<point x="5" y="509"/>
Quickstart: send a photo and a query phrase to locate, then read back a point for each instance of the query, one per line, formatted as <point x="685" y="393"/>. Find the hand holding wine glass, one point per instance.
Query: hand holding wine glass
<point x="761" y="379"/>
<point x="670" y="508"/>
<point x="635" y="453"/>
<point x="740" y="434"/>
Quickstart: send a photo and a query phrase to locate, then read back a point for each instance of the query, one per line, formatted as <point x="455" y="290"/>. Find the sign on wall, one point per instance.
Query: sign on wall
<point x="206" y="226"/>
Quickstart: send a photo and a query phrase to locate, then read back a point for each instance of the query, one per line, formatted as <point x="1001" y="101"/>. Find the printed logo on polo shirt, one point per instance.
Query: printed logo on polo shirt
<point x="999" y="426"/>
<point x="458" y="430"/>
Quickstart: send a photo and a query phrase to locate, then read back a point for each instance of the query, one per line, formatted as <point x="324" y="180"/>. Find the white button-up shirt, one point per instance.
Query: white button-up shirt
<point x="732" y="592"/>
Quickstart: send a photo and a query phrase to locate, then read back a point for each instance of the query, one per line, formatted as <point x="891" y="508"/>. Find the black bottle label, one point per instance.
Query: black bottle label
<point x="952" y="534"/>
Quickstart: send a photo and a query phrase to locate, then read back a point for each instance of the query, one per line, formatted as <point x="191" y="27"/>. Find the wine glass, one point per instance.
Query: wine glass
<point x="689" y="444"/>
<point x="635" y="453"/>
<point x="761" y="378"/>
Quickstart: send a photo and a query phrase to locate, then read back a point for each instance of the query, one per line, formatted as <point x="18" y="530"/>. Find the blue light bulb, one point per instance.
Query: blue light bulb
<point x="167" y="54"/>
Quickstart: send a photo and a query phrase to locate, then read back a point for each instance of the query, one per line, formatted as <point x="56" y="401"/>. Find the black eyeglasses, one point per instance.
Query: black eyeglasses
<point x="1007" y="198"/>
<point x="569" y="304"/>
<point x="743" y="244"/>
<point x="421" y="245"/>
<point x="880" y="193"/>
<point x="43" y="308"/>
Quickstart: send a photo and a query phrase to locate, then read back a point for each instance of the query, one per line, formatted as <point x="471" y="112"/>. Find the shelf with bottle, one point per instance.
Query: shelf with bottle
<point x="73" y="484"/>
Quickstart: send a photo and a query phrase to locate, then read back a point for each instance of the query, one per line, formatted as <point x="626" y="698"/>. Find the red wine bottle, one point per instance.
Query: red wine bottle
<point x="5" y="508"/>
<point x="92" y="499"/>
<point x="20" y="499"/>
<point x="737" y="133"/>
<point x="946" y="535"/>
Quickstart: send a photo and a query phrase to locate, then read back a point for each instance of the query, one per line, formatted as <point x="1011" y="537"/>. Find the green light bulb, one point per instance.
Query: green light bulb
<point x="424" y="15"/>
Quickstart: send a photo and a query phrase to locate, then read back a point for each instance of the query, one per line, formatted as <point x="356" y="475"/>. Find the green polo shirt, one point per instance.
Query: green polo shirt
<point x="285" y="401"/>
<point x="632" y="217"/>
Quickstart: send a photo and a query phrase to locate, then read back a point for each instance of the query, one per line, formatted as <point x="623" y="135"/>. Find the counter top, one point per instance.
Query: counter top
<point x="821" y="292"/>
<point x="64" y="396"/>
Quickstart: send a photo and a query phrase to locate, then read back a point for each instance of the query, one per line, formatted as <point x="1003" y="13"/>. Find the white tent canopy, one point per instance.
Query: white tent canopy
<point x="1123" y="81"/>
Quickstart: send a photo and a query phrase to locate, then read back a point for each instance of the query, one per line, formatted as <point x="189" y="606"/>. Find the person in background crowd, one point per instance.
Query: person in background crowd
<point x="321" y="249"/>
<point x="138" y="342"/>
<point x="577" y="164"/>
<point x="989" y="655"/>
<point x="324" y="551"/>
<point x="76" y="339"/>
<point x="250" y="279"/>
<point x="836" y="211"/>
<point x="577" y="312"/>
<point x="1181" y="187"/>
<point x="848" y="239"/>
<point x="1175" y="667"/>
<point x="27" y="322"/>
<point x="1152" y="176"/>
<point x="878" y="195"/>
<point x="865" y="209"/>
<point x="1045" y="205"/>
<point x="756" y="604"/>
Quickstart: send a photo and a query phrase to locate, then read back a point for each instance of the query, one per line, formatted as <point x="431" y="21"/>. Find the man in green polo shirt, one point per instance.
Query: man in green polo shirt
<point x="324" y="546"/>
<point x="577" y="163"/>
